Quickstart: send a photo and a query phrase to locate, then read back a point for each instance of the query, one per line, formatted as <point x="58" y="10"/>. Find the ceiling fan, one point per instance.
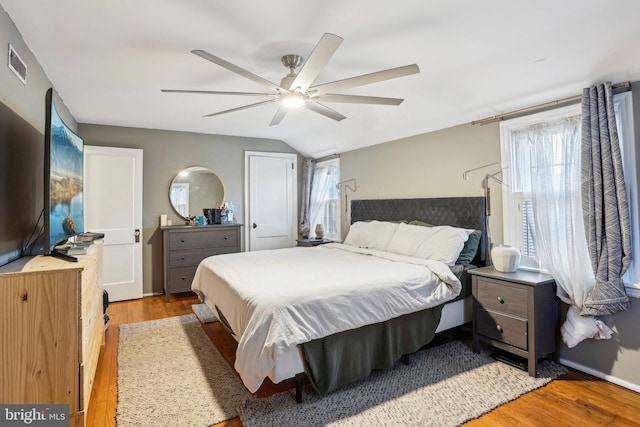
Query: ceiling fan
<point x="297" y="90"/>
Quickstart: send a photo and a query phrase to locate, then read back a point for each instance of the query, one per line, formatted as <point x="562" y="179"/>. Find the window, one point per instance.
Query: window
<point x="556" y="128"/>
<point x="325" y="200"/>
<point x="517" y="134"/>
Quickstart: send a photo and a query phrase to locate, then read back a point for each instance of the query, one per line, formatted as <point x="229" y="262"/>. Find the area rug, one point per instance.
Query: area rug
<point x="442" y="386"/>
<point x="170" y="373"/>
<point x="204" y="313"/>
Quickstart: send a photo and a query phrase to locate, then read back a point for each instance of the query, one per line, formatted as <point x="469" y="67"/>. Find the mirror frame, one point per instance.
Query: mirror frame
<point x="193" y="168"/>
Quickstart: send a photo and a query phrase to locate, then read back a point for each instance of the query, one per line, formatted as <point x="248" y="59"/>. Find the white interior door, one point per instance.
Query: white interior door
<point x="271" y="200"/>
<point x="113" y="206"/>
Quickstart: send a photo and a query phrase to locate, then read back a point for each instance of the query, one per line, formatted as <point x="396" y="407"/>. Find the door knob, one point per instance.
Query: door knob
<point x="255" y="225"/>
<point x="137" y="235"/>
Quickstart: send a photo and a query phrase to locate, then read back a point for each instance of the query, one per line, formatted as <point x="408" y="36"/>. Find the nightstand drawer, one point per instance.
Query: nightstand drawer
<point x="508" y="329"/>
<point x="502" y="298"/>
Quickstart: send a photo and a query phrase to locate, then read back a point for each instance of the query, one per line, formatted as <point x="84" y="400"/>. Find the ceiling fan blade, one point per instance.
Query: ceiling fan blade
<point x="240" y="108"/>
<point x="215" y="92"/>
<point x="316" y="61"/>
<point x="282" y="111"/>
<point x="241" y="71"/>
<point x="364" y="79"/>
<point x="324" y="110"/>
<point x="357" y="99"/>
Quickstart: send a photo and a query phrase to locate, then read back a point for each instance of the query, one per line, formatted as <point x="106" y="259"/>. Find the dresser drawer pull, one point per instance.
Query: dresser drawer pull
<point x="183" y="278"/>
<point x="499" y="328"/>
<point x="501" y="300"/>
<point x="182" y="240"/>
<point x="184" y="257"/>
<point x="226" y="237"/>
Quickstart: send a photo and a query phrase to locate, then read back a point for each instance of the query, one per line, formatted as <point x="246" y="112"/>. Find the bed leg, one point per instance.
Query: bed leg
<point x="298" y="381"/>
<point x="405" y="359"/>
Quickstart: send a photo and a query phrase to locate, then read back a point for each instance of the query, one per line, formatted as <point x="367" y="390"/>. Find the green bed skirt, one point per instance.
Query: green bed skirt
<point x="348" y="356"/>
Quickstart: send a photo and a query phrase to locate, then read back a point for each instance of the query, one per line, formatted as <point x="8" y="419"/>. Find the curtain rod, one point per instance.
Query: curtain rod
<point x="618" y="88"/>
<point x="324" y="158"/>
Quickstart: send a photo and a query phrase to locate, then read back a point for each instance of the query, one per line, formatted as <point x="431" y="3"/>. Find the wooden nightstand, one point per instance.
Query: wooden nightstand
<point x="516" y="312"/>
<point x="312" y="242"/>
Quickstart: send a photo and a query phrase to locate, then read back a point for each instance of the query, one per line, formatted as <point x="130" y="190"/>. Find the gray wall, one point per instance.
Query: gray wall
<point x="431" y="165"/>
<point x="165" y="154"/>
<point x="428" y="165"/>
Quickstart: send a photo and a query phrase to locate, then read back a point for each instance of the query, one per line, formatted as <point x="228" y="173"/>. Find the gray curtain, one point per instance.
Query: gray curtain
<point x="308" y="167"/>
<point x="604" y="203"/>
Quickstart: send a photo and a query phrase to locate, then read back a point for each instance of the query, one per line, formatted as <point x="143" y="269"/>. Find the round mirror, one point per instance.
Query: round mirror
<point x="194" y="189"/>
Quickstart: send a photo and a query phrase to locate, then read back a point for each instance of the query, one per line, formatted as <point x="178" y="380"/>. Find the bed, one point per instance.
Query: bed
<point x="295" y="316"/>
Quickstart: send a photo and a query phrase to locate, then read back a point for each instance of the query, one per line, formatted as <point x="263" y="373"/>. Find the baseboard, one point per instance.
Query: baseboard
<point x="601" y="375"/>
<point x="152" y="294"/>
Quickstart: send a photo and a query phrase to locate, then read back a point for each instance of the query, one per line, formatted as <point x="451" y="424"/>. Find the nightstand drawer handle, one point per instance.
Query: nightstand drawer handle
<point x="183" y="278"/>
<point x="499" y="328"/>
<point x="501" y="300"/>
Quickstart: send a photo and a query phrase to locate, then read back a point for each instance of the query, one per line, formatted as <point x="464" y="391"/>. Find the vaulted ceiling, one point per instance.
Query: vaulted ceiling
<point x="109" y="60"/>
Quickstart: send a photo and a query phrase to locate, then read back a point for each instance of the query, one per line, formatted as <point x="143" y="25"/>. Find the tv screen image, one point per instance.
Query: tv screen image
<point x="64" y="213"/>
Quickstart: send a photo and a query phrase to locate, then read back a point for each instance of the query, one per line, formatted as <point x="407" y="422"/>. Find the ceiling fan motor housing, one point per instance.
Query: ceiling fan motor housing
<point x="292" y="61"/>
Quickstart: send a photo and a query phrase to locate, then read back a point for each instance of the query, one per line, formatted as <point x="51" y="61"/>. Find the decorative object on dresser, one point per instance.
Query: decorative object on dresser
<point x="312" y="242"/>
<point x="515" y="312"/>
<point x="506" y="259"/>
<point x="185" y="246"/>
<point x="53" y="328"/>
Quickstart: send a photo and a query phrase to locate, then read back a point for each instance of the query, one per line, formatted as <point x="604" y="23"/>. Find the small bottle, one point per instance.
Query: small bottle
<point x="223" y="214"/>
<point x="230" y="213"/>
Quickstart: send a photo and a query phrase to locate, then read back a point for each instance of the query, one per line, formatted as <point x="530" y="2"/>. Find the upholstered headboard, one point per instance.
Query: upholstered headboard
<point x="464" y="212"/>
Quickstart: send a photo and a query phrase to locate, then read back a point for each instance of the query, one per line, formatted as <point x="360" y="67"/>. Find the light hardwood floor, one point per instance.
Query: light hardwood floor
<point x="575" y="399"/>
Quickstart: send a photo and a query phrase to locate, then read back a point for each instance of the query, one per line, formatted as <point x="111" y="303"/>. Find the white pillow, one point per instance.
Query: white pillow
<point x="445" y="244"/>
<point x="407" y="239"/>
<point x="370" y="235"/>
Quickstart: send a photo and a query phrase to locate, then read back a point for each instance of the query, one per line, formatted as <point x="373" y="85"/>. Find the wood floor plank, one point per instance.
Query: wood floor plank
<point x="575" y="399"/>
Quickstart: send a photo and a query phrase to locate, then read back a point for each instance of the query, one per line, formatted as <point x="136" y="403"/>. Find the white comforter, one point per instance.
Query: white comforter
<point x="276" y="299"/>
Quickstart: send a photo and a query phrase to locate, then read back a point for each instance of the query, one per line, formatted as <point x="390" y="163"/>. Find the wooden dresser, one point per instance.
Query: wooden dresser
<point x="185" y="246"/>
<point x="51" y="330"/>
<point x="516" y="312"/>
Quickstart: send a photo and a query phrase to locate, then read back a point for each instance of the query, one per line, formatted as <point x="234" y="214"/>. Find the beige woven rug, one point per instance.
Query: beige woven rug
<point x="171" y="374"/>
<point x="204" y="313"/>
<point x="443" y="386"/>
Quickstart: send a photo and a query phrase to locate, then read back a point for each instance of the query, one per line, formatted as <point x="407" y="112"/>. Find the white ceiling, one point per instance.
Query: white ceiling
<point x="108" y="60"/>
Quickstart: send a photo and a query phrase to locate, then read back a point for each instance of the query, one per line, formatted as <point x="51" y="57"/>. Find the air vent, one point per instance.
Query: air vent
<point x="16" y="65"/>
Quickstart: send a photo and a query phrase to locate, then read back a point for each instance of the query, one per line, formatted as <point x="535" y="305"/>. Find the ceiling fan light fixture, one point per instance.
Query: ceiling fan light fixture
<point x="293" y="101"/>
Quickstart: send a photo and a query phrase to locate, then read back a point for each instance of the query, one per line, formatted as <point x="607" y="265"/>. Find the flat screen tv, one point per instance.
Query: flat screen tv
<point x="63" y="186"/>
<point x="21" y="186"/>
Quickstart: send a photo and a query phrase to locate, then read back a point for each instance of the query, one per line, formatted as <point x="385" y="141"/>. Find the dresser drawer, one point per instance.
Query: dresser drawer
<point x="204" y="239"/>
<point x="502" y="327"/>
<point x="192" y="257"/>
<point x="493" y="295"/>
<point x="180" y="278"/>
